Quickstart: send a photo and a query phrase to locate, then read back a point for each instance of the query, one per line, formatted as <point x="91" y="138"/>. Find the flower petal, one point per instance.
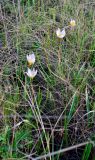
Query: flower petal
<point x="60" y="33"/>
<point x="31" y="59"/>
<point x="73" y="23"/>
<point x="63" y="33"/>
<point x="31" y="73"/>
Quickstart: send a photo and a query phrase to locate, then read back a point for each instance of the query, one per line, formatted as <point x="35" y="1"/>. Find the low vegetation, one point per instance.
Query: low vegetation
<point x="47" y="79"/>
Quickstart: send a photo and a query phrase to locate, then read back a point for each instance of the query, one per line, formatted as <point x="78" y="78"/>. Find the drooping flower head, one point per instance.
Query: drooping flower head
<point x="31" y="73"/>
<point x="31" y="59"/>
<point x="72" y="23"/>
<point x="60" y="34"/>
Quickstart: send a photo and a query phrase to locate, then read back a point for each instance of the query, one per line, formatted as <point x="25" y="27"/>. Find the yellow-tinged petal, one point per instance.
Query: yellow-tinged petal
<point x="72" y="23"/>
<point x="60" y="34"/>
<point x="30" y="59"/>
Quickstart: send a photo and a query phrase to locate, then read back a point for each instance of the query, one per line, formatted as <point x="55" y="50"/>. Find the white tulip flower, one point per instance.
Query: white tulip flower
<point x="31" y="59"/>
<point x="60" y="34"/>
<point x="72" y="23"/>
<point x="31" y="73"/>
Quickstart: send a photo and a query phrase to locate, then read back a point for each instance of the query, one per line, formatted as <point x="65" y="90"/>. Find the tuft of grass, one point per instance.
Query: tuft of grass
<point x="87" y="151"/>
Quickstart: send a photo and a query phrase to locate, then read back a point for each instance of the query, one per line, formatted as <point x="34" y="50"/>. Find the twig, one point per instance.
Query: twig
<point x="62" y="150"/>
